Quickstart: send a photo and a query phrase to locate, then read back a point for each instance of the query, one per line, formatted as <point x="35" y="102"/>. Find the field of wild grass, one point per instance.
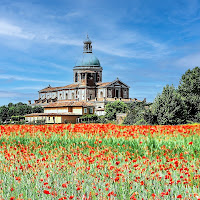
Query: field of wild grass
<point x="93" y="161"/>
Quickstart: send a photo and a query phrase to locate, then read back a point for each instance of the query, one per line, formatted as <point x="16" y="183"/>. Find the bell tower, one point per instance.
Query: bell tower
<point x="88" y="70"/>
<point x="87" y="47"/>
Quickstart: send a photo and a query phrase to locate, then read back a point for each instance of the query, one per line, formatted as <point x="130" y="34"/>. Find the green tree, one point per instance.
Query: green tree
<point x="37" y="109"/>
<point x="20" y="109"/>
<point x="4" y="113"/>
<point x="189" y="89"/>
<point x="112" y="108"/>
<point x="168" y="107"/>
<point x="138" y="113"/>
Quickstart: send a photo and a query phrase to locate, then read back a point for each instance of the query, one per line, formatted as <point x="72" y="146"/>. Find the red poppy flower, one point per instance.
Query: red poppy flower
<point x="46" y="192"/>
<point x="179" y="196"/>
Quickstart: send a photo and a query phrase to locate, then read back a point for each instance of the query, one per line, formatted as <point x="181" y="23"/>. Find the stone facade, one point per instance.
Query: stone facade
<point x="87" y="84"/>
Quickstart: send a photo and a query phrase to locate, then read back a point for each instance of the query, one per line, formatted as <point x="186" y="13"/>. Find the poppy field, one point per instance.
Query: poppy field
<point x="99" y="161"/>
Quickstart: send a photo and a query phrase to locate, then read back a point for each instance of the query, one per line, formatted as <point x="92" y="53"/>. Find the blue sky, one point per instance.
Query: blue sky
<point x="146" y="43"/>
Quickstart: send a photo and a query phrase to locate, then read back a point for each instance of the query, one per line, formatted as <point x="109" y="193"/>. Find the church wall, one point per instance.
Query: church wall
<point x="125" y="92"/>
<point x="90" y="93"/>
<point x="53" y="95"/>
<point x="109" y="93"/>
<point x="68" y="94"/>
<point x="122" y="93"/>
<point x="113" y="92"/>
<point x="42" y="95"/>
<point x="60" y="95"/>
<point x="81" y="95"/>
<point x="101" y="93"/>
<point x="48" y="95"/>
<point x="64" y="94"/>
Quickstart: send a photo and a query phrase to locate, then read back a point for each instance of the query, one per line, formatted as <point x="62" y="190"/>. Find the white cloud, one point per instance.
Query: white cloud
<point x="9" y="29"/>
<point x="121" y="42"/>
<point x="11" y="94"/>
<point x="22" y="78"/>
<point x="28" y="88"/>
<point x="189" y="61"/>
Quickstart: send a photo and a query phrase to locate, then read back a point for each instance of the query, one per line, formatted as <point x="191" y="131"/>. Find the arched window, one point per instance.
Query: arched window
<point x="98" y="77"/>
<point x="101" y="94"/>
<point x="66" y="96"/>
<point x="76" y="77"/>
<point x="72" y="95"/>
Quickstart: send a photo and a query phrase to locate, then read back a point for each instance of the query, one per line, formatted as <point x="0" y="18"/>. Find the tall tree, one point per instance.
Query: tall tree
<point x="137" y="113"/>
<point x="112" y="108"/>
<point x="3" y="113"/>
<point x="189" y="89"/>
<point x="168" y="107"/>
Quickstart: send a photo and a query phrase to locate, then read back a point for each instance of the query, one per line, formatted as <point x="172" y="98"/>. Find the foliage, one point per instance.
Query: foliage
<point x="17" y="118"/>
<point x="112" y="108"/>
<point x="168" y="107"/>
<point x="18" y="109"/>
<point x="102" y="119"/>
<point x="98" y="161"/>
<point x="89" y="118"/>
<point x="189" y="89"/>
<point x="37" y="109"/>
<point x="137" y="113"/>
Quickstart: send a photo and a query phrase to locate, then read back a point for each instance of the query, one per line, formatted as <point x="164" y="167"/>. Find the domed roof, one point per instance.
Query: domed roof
<point x="88" y="59"/>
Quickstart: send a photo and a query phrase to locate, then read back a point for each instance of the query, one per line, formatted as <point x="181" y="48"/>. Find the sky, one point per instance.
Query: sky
<point x="147" y="44"/>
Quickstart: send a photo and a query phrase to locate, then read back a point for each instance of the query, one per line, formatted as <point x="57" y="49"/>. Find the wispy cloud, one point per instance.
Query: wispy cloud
<point x="185" y="12"/>
<point x="27" y="88"/>
<point x="23" y="78"/>
<point x="11" y="94"/>
<point x="120" y="45"/>
<point x="189" y="61"/>
<point x="9" y="29"/>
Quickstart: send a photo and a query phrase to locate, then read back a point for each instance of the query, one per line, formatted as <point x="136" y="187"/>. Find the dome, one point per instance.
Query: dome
<point x="88" y="59"/>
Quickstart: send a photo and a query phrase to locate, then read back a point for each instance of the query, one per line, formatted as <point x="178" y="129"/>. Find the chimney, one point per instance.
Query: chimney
<point x="29" y="102"/>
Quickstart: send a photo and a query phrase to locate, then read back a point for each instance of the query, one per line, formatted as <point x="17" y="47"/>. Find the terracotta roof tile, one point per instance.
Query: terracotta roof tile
<point x="47" y="89"/>
<point x="51" y="114"/>
<point x="103" y="84"/>
<point x="68" y="103"/>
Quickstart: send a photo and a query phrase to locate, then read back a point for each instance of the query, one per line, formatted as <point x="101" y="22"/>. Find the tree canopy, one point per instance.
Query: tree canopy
<point x="137" y="113"/>
<point x="18" y="109"/>
<point x="112" y="108"/>
<point x="189" y="89"/>
<point x="168" y="107"/>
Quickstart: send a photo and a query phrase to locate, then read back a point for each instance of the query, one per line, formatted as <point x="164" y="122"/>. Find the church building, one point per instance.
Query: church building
<point x="87" y="86"/>
<point x="87" y="82"/>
